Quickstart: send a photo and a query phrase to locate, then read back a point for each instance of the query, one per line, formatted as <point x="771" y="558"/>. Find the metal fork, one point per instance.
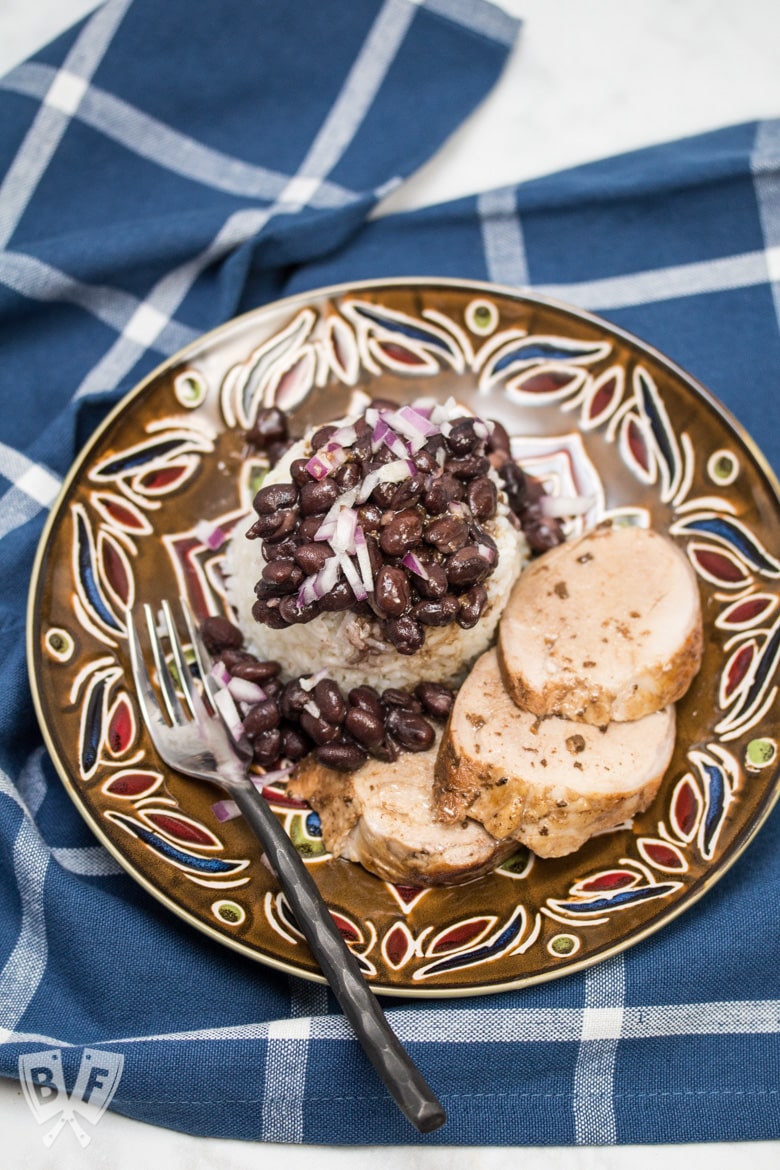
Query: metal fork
<point x="197" y="743"/>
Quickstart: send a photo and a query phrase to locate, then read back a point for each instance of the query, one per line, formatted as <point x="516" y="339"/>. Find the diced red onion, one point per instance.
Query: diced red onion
<point x="210" y="535"/>
<point x="487" y="553"/>
<point x="345" y="500"/>
<point x="364" y="560"/>
<point x="388" y="473"/>
<point x="318" y="466"/>
<point x="343" y="437"/>
<point x="309" y="682"/>
<point x="225" y="810"/>
<point x="354" y="579"/>
<point x="220" y="673"/>
<point x="279" y="775"/>
<point x="343" y="539"/>
<point x="481" y="428"/>
<point x="311" y="707"/>
<point x="223" y="700"/>
<point x="415" y="565"/>
<point x="244" y="690"/>
<point x="326" y="530"/>
<point x="559" y="506"/>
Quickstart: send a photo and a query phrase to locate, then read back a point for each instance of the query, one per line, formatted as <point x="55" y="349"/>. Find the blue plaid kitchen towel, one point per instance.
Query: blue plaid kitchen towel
<point x="166" y="167"/>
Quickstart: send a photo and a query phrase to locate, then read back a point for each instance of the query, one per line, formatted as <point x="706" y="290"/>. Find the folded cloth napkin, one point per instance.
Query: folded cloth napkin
<point x="165" y="168"/>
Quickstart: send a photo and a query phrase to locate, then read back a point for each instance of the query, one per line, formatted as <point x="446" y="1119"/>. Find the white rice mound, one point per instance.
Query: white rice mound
<point x="351" y="647"/>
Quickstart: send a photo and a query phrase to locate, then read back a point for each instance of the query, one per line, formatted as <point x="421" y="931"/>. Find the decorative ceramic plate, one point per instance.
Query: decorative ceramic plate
<point x="593" y="412"/>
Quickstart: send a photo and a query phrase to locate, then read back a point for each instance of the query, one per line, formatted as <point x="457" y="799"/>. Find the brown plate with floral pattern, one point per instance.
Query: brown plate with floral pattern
<point x="593" y="412"/>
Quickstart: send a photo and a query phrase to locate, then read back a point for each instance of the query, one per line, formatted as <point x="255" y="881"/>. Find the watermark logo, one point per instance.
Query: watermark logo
<point x="43" y="1083"/>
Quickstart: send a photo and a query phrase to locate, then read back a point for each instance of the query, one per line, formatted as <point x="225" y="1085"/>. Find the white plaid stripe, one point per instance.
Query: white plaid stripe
<point x="51" y="121"/>
<point x="497" y="1025"/>
<point x="502" y="237"/>
<point x="602" y="1022"/>
<point x="486" y="19"/>
<point x="152" y="139"/>
<point x="765" y="164"/>
<point x="33" y="487"/>
<point x="285" y="1080"/>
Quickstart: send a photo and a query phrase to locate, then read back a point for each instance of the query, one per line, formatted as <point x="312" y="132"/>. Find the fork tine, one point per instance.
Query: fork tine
<point x="147" y="699"/>
<point x="167" y="689"/>
<point x="182" y="666"/>
<point x="210" y="684"/>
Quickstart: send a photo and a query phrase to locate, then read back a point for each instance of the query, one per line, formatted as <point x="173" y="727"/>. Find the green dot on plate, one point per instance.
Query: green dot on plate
<point x="761" y="752"/>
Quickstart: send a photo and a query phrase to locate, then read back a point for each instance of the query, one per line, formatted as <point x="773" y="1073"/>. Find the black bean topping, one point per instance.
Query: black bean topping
<point x="275" y="496"/>
<point x="295" y="614"/>
<point x="275" y="550"/>
<point x="219" y="634"/>
<point x="406" y="634"/>
<point x="436" y="498"/>
<point x="261" y="717"/>
<point x="466" y="567"/>
<point x="468" y="467"/>
<point x="267" y="747"/>
<point x="267" y="613"/>
<point x="293" y="699"/>
<point x="453" y="487"/>
<point x="408" y="492"/>
<point x="472" y="606"/>
<point x="340" y="598"/>
<point x="402" y="533"/>
<point x="447" y="534"/>
<point x="369" y="518"/>
<point x="287" y="520"/>
<point x="437" y="611"/>
<point x="309" y="527"/>
<point x="295" y="743"/>
<point x="242" y="664"/>
<point x="388" y="751"/>
<point x="412" y="731"/>
<point x="396" y="697"/>
<point x="269" y="427"/>
<point x="265" y="526"/>
<point x="318" y="729"/>
<point x="322" y="436"/>
<point x="366" y="727"/>
<point x="348" y="476"/>
<point x="330" y="701"/>
<point x="313" y="555"/>
<point x="436" y="699"/>
<point x="342" y="755"/>
<point x="391" y="591"/>
<point x="284" y="576"/>
<point x="367" y="699"/>
<point x="482" y="497"/>
<point x="273" y="687"/>
<point x="498" y="439"/>
<point x="436" y="583"/>
<point x="298" y="472"/>
<point x="425" y="462"/>
<point x="463" y="439"/>
<point x="318" y="495"/>
<point x="382" y="495"/>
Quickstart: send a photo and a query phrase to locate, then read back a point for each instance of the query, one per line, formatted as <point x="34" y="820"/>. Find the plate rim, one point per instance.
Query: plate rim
<point x="206" y="340"/>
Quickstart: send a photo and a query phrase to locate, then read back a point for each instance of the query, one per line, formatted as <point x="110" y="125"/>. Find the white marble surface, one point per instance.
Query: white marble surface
<point x="587" y="80"/>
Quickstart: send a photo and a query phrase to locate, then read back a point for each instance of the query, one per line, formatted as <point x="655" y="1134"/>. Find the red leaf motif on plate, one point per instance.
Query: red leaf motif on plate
<point x="121" y="727"/>
<point x="182" y="829"/>
<point x="637" y="444"/>
<point x="718" y="565"/>
<point x="132" y="785"/>
<point x="602" y="400"/>
<point x="295" y="382"/>
<point x="163" y="478"/>
<point x="685" y="808"/>
<point x="400" y="354"/>
<point x="460" y="935"/>
<point x="610" y="879"/>
<point x="547" y="381"/>
<point x="747" y="612"/>
<point x="114" y="569"/>
<point x="120" y="512"/>
<point x="735" y="671"/>
<point x="397" y="945"/>
<point x="662" y="855"/>
<point x="347" y="929"/>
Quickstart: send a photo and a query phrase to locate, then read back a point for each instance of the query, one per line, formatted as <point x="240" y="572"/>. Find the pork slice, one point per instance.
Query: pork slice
<point x="606" y="627"/>
<point x="549" y="783"/>
<point x="382" y="816"/>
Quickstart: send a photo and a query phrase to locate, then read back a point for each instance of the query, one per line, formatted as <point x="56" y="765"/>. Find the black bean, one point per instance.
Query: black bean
<point x="287" y="520"/>
<point x="482" y="497"/>
<point x="340" y="598"/>
<point x="436" y="699"/>
<point x="275" y="550"/>
<point x="270" y="426"/>
<point x="348" y="476"/>
<point x="412" y="731"/>
<point x="313" y="555"/>
<point x="342" y="756"/>
<point x="383" y="404"/>
<point x="425" y="462"/>
<point x="220" y="634"/>
<point x="361" y="448"/>
<point x="295" y="614"/>
<point x="275" y="496"/>
<point x="382" y="495"/>
<point x="262" y="716"/>
<point x="309" y="527"/>
<point x="298" y="472"/>
<point x="366" y="727"/>
<point x="391" y="591"/>
<point x="284" y="576"/>
<point x="498" y="439"/>
<point x="295" y="744"/>
<point x="330" y="701"/>
<point x="293" y="699"/>
<point x="397" y="697"/>
<point x="267" y="613"/>
<point x="369" y="517"/>
<point x="436" y="498"/>
<point x="466" y="567"/>
<point x="468" y="467"/>
<point x="402" y="533"/>
<point x="406" y="634"/>
<point x="267" y="747"/>
<point x="437" y="611"/>
<point x="472" y="605"/>
<point x="515" y="485"/>
<point x="453" y="487"/>
<point x="265" y="526"/>
<point x="242" y="664"/>
<point x="273" y="687"/>
<point x="318" y="729"/>
<point x="318" y="495"/>
<point x="463" y="439"/>
<point x="447" y="534"/>
<point x="408" y="492"/>
<point x="388" y="751"/>
<point x="322" y="436"/>
<point x="542" y="533"/>
<point x="367" y="699"/>
<point x="436" y="584"/>
<point x="435" y="444"/>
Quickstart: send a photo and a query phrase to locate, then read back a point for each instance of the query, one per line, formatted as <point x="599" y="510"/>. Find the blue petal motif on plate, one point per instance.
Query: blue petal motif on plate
<point x="406" y="329"/>
<point x="734" y="535"/>
<point x="619" y="900"/>
<point x="85" y="555"/>
<point x="209" y="865"/>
